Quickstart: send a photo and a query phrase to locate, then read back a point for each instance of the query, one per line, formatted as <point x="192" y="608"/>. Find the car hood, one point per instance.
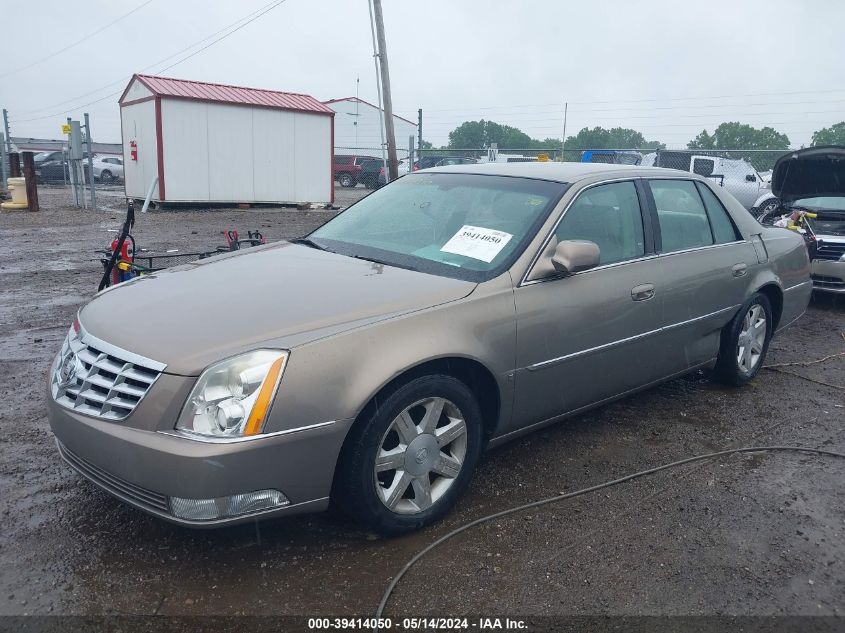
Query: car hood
<point x="808" y="173"/>
<point x="280" y="295"/>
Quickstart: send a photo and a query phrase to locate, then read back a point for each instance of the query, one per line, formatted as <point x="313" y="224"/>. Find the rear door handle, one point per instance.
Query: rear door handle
<point x="739" y="270"/>
<point x="643" y="292"/>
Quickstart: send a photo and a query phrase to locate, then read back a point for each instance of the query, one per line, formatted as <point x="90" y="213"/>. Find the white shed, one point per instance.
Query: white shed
<point x="357" y="128"/>
<point x="217" y="143"/>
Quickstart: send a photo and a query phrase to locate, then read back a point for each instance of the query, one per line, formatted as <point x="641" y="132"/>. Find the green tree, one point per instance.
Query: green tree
<point x="735" y="135"/>
<point x="478" y="134"/>
<point x="614" y="138"/>
<point x="833" y="135"/>
<point x="426" y="144"/>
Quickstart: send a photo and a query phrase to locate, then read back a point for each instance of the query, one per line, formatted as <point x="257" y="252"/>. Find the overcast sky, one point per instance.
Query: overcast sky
<point x="665" y="68"/>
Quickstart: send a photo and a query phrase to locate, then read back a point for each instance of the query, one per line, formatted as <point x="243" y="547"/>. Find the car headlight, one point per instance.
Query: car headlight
<point x="232" y="398"/>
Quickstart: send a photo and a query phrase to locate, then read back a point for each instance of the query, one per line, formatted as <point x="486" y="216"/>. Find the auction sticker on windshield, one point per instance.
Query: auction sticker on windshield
<point x="477" y="242"/>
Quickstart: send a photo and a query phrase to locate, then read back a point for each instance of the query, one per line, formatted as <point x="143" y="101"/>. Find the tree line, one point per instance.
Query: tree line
<point x="728" y="135"/>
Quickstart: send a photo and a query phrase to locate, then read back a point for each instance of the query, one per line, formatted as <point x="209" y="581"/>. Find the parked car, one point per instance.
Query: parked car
<point x="813" y="179"/>
<point x="425" y="163"/>
<point x="51" y="171"/>
<point x="107" y="168"/>
<point x="346" y="168"/>
<point x="57" y="170"/>
<point x="611" y="156"/>
<point x="370" y="170"/>
<point x="43" y="157"/>
<point x="737" y="176"/>
<point x="450" y="311"/>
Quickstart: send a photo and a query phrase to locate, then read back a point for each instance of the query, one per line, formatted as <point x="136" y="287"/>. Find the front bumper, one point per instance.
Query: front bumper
<point x="828" y="275"/>
<point x="146" y="468"/>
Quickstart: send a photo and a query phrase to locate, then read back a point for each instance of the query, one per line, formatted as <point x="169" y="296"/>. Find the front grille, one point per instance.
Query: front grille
<point x="831" y="251"/>
<point x="824" y="281"/>
<point x="115" y="485"/>
<point x="98" y="379"/>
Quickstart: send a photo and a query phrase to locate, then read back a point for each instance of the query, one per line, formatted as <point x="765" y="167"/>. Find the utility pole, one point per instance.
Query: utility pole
<point x="563" y="141"/>
<point x="392" y="162"/>
<point x="90" y="162"/>
<point x="419" y="133"/>
<point x="6" y="128"/>
<point x="7" y="148"/>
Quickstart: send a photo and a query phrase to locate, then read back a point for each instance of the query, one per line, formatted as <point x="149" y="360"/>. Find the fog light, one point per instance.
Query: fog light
<point x="223" y="507"/>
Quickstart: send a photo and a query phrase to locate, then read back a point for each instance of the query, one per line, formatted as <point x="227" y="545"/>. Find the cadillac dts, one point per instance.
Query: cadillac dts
<point x="370" y="363"/>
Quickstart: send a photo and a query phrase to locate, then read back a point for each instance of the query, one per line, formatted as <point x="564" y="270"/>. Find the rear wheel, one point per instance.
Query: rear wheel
<point x="406" y="464"/>
<point x="345" y="180"/>
<point x="106" y="177"/>
<point x="745" y="341"/>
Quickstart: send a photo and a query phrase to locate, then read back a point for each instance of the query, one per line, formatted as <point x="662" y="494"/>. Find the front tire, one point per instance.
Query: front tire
<point x="745" y="341"/>
<point x="408" y="460"/>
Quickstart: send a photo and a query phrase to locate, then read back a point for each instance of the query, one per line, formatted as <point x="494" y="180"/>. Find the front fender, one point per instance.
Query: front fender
<point x="764" y="199"/>
<point x="335" y="377"/>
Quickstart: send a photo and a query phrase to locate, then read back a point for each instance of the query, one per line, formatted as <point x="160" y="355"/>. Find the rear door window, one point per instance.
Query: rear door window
<point x="681" y="215"/>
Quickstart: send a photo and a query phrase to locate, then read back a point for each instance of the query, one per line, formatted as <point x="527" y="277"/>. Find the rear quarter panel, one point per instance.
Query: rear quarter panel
<point x="785" y="264"/>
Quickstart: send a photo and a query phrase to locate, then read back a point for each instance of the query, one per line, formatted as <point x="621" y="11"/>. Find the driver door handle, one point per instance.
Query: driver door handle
<point x="643" y="292"/>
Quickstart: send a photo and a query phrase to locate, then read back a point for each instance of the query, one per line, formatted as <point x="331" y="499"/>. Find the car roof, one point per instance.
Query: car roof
<point x="560" y="172"/>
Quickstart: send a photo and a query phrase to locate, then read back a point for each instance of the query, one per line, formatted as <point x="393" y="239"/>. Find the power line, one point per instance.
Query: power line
<point x="651" y="99"/>
<point x="252" y="17"/>
<point x="77" y="42"/>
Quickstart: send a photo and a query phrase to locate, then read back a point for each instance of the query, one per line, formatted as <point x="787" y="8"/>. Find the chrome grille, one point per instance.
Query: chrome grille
<point x="831" y="251"/>
<point x="93" y="377"/>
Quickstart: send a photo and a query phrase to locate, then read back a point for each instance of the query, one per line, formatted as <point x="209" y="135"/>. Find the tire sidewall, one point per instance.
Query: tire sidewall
<point x="357" y="490"/>
<point x="729" y="365"/>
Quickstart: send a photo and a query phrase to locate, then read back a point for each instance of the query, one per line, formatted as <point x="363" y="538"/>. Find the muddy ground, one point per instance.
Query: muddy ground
<point x="762" y="534"/>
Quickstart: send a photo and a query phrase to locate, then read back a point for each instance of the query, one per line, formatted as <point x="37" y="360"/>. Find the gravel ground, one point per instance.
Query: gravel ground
<point x="761" y="534"/>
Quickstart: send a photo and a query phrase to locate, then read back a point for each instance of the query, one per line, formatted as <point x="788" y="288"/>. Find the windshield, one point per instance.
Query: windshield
<point x="467" y="226"/>
<point x="832" y="203"/>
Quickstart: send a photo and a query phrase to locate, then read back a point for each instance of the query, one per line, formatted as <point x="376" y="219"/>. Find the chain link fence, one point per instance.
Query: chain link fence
<point x="745" y="173"/>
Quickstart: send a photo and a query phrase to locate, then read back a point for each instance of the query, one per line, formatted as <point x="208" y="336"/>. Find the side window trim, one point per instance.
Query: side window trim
<point x="706" y="212"/>
<point x="645" y="184"/>
<point x="647" y="218"/>
<point x="698" y="186"/>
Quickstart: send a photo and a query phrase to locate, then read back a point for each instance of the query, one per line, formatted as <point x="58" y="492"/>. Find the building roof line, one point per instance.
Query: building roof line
<point x="372" y="105"/>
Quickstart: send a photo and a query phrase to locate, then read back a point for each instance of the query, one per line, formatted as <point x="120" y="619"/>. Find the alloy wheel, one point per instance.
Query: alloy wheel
<point x="752" y="338"/>
<point x="420" y="455"/>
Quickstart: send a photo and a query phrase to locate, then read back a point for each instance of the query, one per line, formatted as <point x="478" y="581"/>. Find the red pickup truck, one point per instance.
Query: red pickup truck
<point x="346" y="168"/>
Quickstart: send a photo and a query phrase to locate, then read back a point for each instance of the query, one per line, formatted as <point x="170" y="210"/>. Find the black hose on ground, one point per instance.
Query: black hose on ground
<point x="569" y="495"/>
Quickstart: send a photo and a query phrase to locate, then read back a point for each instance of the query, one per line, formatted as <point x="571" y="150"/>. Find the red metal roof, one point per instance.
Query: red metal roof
<point x="222" y="93"/>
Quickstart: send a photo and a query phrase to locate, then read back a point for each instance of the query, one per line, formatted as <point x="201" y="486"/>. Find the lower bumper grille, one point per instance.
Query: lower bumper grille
<point x="121" y="488"/>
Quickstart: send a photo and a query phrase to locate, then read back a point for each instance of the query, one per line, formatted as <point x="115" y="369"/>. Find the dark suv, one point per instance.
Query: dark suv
<point x="370" y="170"/>
<point x="347" y="169"/>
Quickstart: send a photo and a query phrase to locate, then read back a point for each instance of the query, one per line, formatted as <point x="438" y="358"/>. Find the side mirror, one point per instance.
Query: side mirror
<point x="572" y="256"/>
<point x="750" y="178"/>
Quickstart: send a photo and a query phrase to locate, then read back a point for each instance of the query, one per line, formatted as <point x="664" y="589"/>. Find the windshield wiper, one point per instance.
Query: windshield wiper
<point x="382" y="262"/>
<point x="304" y="241"/>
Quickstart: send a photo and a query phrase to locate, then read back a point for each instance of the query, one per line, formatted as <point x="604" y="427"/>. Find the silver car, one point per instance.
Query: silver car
<point x="813" y="179"/>
<point x="372" y="362"/>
